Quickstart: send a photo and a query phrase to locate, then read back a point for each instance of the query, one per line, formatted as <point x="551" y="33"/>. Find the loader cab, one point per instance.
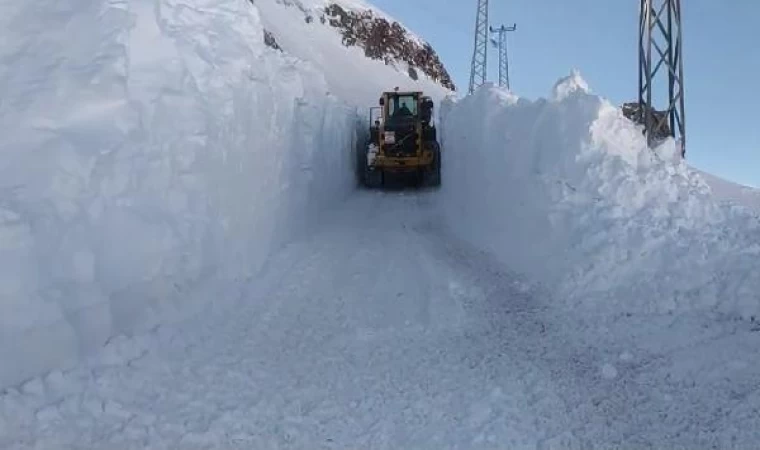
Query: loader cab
<point x="406" y="106"/>
<point x="402" y="107"/>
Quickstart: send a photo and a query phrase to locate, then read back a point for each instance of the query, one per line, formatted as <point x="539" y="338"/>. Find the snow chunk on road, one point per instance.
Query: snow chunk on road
<point x="626" y="356"/>
<point x="609" y="371"/>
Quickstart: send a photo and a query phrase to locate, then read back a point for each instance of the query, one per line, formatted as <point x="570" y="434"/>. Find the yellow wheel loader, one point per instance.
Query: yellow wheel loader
<point x="402" y="141"/>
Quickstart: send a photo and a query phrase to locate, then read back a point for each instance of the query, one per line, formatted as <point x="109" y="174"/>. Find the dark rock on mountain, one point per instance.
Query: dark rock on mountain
<point x="383" y="40"/>
<point x="270" y="40"/>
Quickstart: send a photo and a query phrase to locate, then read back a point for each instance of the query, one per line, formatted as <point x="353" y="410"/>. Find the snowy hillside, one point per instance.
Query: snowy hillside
<point x="732" y="192"/>
<point x="303" y="28"/>
<point x="565" y="190"/>
<point x="154" y="149"/>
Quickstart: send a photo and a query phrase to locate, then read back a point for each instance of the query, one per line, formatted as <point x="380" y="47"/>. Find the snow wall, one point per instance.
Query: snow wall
<point x="566" y="191"/>
<point x="150" y="147"/>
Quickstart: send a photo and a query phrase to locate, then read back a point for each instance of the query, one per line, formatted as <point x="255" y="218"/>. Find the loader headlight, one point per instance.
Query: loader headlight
<point x="389" y="137"/>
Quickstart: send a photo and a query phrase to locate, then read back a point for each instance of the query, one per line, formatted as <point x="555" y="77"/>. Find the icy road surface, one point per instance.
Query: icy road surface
<point x="375" y="330"/>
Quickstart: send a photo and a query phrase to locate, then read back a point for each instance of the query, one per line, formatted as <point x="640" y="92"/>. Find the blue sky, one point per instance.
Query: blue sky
<point x="599" y="37"/>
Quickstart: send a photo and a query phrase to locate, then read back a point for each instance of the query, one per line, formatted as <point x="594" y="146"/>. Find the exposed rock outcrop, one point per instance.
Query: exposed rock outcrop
<point x="270" y="40"/>
<point x="383" y="40"/>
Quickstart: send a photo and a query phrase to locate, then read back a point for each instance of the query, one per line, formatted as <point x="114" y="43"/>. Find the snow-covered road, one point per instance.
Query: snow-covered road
<point x="377" y="330"/>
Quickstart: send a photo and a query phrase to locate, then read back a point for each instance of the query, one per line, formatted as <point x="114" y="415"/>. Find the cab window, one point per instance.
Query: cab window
<point x="402" y="105"/>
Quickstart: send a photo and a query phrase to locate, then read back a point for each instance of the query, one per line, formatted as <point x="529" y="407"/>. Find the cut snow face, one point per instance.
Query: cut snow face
<point x="150" y="147"/>
<point x="567" y="191"/>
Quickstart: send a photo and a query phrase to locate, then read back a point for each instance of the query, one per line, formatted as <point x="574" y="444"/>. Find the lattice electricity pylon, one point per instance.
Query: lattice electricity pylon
<point x="660" y="29"/>
<point x="503" y="56"/>
<point x="480" y="53"/>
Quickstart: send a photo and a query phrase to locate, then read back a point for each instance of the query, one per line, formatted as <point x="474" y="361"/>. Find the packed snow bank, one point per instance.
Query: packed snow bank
<point x="149" y="147"/>
<point x="566" y="190"/>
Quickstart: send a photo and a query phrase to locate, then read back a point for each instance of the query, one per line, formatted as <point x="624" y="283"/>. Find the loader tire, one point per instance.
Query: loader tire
<point x="373" y="179"/>
<point x="361" y="165"/>
<point x="434" y="176"/>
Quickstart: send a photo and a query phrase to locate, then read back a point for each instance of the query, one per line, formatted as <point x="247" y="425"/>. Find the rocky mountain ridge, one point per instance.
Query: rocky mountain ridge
<point x="380" y="38"/>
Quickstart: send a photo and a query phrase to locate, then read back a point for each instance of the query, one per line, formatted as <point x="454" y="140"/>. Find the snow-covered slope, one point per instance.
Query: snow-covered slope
<point x="565" y="189"/>
<point x="298" y="29"/>
<point x="732" y="192"/>
<point x="153" y="149"/>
